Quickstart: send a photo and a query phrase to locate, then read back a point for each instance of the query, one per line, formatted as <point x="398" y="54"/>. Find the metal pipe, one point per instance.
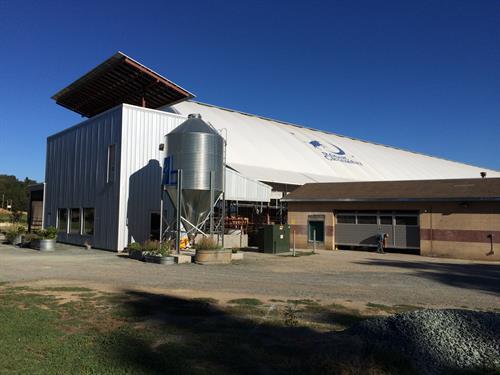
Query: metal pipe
<point x="431" y="234"/>
<point x="241" y="236"/>
<point x="314" y="241"/>
<point x="212" y="203"/>
<point x="490" y="236"/>
<point x="178" y="212"/>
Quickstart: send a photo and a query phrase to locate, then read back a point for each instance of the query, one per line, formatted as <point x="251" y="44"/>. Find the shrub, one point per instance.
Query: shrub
<point x="153" y="247"/>
<point x="31" y="237"/>
<point x="290" y="316"/>
<point x="49" y="233"/>
<point x="13" y="232"/>
<point x="135" y="246"/>
<point x="207" y="243"/>
<point x="150" y="246"/>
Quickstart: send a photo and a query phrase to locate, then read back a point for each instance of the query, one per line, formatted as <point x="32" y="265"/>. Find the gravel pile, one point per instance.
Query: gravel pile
<point x="439" y="341"/>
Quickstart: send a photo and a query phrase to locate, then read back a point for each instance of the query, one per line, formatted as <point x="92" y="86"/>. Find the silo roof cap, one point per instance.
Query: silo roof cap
<point x="195" y="124"/>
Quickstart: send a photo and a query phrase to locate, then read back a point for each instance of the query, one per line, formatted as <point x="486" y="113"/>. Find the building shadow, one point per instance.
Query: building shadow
<point x="484" y="277"/>
<point x="194" y="336"/>
<point x="143" y="200"/>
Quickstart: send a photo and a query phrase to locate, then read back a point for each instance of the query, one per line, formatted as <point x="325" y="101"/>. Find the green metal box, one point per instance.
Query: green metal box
<point x="274" y="238"/>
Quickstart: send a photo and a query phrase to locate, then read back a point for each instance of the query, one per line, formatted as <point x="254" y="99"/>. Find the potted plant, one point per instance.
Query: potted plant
<point x="46" y="239"/>
<point x="15" y="234"/>
<point x="208" y="251"/>
<point x="28" y="238"/>
<point x="135" y="251"/>
<point x="156" y="252"/>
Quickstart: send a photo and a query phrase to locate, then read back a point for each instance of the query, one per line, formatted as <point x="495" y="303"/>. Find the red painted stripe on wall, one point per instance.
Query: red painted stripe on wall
<point x="302" y="229"/>
<point x="460" y="235"/>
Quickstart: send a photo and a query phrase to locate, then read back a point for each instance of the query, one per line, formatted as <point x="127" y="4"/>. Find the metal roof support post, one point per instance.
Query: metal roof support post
<point x="178" y="212"/>
<point x="223" y="215"/>
<point x="212" y="204"/>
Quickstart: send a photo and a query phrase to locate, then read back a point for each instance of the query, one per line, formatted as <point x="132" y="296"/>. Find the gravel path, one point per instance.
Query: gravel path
<point x="330" y="276"/>
<point x="439" y="341"/>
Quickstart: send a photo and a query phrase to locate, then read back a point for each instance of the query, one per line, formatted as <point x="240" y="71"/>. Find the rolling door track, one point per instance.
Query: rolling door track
<point x="360" y="228"/>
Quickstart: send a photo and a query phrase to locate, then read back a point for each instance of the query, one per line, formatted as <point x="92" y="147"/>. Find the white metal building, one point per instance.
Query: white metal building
<point x="103" y="176"/>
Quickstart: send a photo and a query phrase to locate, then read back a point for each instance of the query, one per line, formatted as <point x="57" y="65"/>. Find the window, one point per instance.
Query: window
<point x="406" y="220"/>
<point x="346" y="219"/>
<point x="88" y="221"/>
<point x="386" y="220"/>
<point x="317" y="226"/>
<point x="367" y="219"/>
<point x="111" y="163"/>
<point x="74" y="226"/>
<point x="62" y="219"/>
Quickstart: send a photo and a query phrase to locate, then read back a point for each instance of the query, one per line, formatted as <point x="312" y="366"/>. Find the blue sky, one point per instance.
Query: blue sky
<point x="421" y="75"/>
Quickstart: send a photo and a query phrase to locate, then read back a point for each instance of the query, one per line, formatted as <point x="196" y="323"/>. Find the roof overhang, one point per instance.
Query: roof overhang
<point x="374" y="200"/>
<point x="119" y="79"/>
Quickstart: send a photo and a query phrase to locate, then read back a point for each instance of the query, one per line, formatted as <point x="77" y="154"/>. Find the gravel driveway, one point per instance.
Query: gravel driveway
<point x="346" y="277"/>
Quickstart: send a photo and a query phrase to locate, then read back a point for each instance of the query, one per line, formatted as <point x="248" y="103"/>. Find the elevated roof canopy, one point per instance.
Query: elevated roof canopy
<point x="119" y="79"/>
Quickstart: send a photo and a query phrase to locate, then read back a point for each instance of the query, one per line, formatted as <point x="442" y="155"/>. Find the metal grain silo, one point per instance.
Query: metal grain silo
<point x="194" y="165"/>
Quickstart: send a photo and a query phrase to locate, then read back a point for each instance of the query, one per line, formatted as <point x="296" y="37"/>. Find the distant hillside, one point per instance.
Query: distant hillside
<point x="16" y="190"/>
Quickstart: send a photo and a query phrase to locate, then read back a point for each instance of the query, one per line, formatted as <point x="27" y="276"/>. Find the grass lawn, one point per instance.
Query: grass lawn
<point x="62" y="330"/>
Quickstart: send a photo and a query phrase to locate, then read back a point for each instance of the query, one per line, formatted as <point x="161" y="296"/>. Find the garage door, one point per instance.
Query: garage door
<point x="360" y="228"/>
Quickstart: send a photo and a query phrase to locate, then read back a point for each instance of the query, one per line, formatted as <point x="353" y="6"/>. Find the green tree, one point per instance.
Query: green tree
<point x="16" y="191"/>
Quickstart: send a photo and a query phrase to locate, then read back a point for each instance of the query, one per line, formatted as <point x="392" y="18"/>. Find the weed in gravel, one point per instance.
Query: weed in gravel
<point x="207" y="300"/>
<point x="245" y="301"/>
<point x="396" y="309"/>
<point x="67" y="289"/>
<point x="309" y="302"/>
<point x="290" y="316"/>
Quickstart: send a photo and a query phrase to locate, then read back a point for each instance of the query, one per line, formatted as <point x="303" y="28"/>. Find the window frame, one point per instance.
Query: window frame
<point x="315" y="218"/>
<point x="58" y="220"/>
<point x="406" y="216"/>
<point x="353" y="215"/>
<point x="366" y="215"/>
<point x="84" y="229"/>
<point x="71" y="220"/>
<point x="111" y="164"/>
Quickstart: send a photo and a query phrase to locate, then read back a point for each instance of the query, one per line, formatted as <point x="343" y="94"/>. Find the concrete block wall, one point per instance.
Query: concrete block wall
<point x="461" y="230"/>
<point x="457" y="229"/>
<point x="298" y="221"/>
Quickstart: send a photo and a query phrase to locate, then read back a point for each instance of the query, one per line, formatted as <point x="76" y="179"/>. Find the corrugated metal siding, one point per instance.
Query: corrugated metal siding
<point x="141" y="161"/>
<point x="242" y="188"/>
<point x="76" y="173"/>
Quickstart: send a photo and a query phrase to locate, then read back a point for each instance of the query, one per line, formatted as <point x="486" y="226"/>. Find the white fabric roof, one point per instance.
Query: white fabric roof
<point x="269" y="150"/>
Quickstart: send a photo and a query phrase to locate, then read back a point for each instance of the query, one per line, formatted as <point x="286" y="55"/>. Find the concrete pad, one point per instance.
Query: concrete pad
<point x="182" y="258"/>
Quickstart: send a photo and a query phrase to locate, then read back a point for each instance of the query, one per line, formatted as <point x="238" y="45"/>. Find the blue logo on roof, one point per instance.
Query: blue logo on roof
<point x="335" y="150"/>
<point x="332" y="152"/>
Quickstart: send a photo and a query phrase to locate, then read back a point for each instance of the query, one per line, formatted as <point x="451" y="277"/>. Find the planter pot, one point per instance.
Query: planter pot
<point x="16" y="240"/>
<point x="213" y="256"/>
<point x="135" y="254"/>
<point x="43" y="245"/>
<point x="237" y="256"/>
<point x="168" y="260"/>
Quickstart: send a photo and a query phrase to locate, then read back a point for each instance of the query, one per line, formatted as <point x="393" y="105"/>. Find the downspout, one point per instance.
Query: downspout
<point x="43" y="205"/>
<point x="431" y="234"/>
